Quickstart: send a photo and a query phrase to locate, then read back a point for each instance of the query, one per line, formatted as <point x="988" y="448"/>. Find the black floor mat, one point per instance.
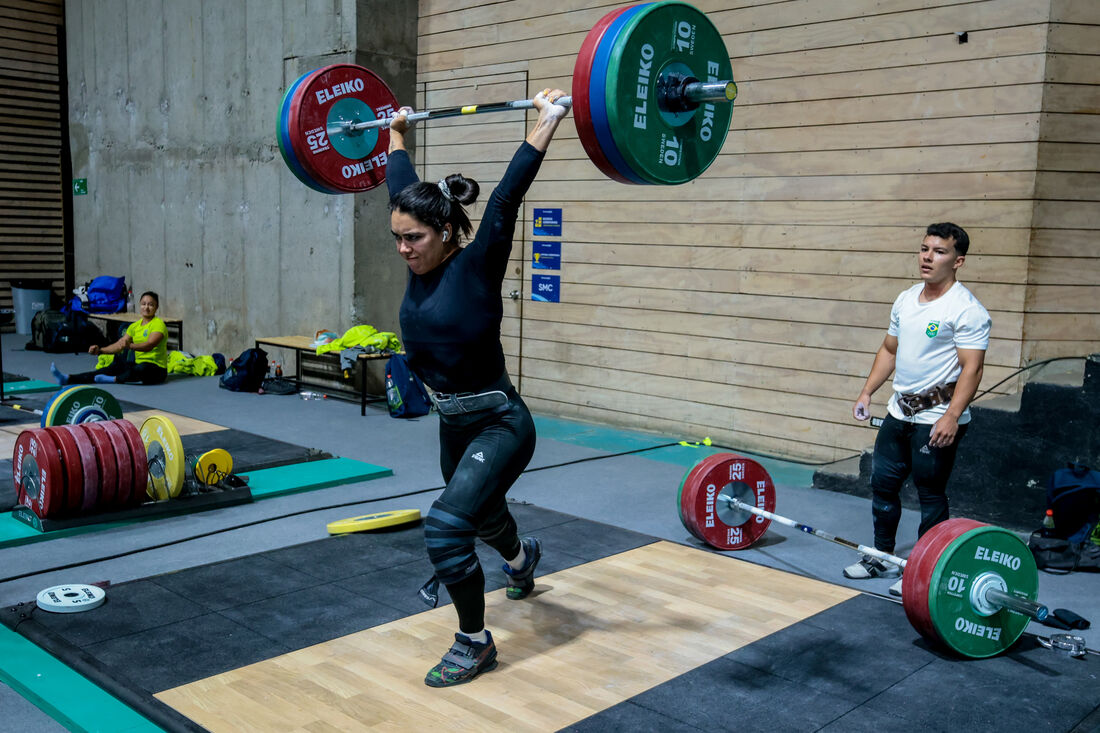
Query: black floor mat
<point x="246" y="610"/>
<point x="860" y="666"/>
<point x="854" y="667"/>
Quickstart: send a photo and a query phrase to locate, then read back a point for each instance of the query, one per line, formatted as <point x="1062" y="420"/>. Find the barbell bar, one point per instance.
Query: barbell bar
<point x="652" y="99"/>
<point x="967" y="585"/>
<point x="681" y="96"/>
<point x="986" y="594"/>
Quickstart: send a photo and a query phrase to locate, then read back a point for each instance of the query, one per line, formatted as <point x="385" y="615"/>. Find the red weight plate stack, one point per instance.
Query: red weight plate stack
<point x="917" y="578"/>
<point x="123" y="463"/>
<point x="105" y="459"/>
<point x="582" y="80"/>
<point x="90" y="465"/>
<point x="689" y="487"/>
<point x="74" y="469"/>
<point x="138" y="460"/>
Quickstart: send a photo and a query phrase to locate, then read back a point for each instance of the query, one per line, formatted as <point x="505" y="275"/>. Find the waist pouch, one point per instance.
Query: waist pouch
<point x="911" y="404"/>
<point x="462" y="403"/>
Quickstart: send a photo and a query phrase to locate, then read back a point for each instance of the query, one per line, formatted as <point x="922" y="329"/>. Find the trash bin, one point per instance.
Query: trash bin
<point x="28" y="297"/>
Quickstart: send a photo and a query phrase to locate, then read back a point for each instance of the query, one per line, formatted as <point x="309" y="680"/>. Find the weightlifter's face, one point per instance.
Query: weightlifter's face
<point x="938" y="260"/>
<point x="421" y="246"/>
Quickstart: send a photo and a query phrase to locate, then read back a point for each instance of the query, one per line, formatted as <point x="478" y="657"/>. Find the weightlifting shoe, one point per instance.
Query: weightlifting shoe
<point x="871" y="567"/>
<point x="895" y="589"/>
<point x="466" y="660"/>
<point x="521" y="582"/>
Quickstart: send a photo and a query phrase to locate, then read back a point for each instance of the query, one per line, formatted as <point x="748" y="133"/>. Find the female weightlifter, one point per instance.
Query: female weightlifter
<point x="450" y="324"/>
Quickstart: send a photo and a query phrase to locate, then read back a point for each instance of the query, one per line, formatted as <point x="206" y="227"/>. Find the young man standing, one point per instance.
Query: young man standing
<point x="935" y="347"/>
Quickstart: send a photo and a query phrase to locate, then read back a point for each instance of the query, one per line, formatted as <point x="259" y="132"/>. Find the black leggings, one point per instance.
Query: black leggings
<point x="124" y="371"/>
<point x="481" y="456"/>
<point x="902" y="450"/>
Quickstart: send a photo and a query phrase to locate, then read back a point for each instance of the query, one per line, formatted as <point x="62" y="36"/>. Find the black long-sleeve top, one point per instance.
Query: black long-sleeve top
<point x="450" y="317"/>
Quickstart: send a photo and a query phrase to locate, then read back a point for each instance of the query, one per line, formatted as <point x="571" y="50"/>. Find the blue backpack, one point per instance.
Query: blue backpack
<point x="1073" y="496"/>
<point x="405" y="393"/>
<point x="245" y="373"/>
<point x="107" y="294"/>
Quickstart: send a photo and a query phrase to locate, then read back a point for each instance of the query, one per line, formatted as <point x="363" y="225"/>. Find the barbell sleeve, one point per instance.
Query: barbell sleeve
<point x="886" y="556"/>
<point x="998" y="597"/>
<point x="696" y="93"/>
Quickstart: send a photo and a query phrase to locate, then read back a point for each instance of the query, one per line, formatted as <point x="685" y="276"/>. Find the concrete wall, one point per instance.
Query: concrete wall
<point x="173" y="108"/>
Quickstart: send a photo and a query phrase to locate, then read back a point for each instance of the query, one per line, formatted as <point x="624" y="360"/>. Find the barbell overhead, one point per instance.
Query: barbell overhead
<point x="652" y="101"/>
<point x="967" y="585"/>
<point x="691" y="93"/>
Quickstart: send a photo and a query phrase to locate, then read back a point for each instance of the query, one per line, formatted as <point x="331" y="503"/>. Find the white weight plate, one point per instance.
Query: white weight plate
<point x="71" y="598"/>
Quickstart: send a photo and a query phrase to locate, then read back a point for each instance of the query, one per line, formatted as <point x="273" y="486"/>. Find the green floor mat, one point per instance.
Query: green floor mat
<point x="60" y="692"/>
<point x="263" y="483"/>
<point x="686" y="454"/>
<point x="268" y="482"/>
<point x="28" y="387"/>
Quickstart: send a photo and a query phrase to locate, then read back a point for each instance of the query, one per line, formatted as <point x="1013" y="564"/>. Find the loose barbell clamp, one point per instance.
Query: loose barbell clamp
<point x="967" y="585"/>
<point x="652" y="101"/>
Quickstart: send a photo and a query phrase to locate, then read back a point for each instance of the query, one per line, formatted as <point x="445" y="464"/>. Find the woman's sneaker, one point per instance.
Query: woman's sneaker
<point x="521" y="582"/>
<point x="871" y="567"/>
<point x="466" y="660"/>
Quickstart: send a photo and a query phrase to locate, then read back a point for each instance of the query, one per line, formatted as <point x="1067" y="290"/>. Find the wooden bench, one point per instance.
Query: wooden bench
<point x="174" y="326"/>
<point x="323" y="371"/>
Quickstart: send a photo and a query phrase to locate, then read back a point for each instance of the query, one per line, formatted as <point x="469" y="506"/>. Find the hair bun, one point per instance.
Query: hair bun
<point x="465" y="190"/>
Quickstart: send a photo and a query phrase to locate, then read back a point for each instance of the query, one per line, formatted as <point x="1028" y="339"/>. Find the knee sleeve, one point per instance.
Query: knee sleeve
<point x="449" y="534"/>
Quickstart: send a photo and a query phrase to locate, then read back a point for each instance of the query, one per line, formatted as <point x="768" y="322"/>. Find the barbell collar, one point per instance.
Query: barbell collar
<point x="718" y="91"/>
<point x="886" y="556"/>
<point x="998" y="597"/>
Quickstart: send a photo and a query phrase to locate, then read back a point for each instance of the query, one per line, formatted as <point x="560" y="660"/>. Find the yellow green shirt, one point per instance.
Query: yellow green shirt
<point x="140" y="334"/>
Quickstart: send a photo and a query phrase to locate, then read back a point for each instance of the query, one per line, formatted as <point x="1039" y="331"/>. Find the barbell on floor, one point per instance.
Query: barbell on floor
<point x="967" y="585"/>
<point x="652" y="102"/>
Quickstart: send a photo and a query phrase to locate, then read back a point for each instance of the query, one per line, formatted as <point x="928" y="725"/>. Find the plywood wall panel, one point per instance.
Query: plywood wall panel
<point x="749" y="302"/>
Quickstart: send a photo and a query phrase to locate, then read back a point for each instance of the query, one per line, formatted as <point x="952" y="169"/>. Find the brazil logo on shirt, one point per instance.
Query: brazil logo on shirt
<point x="932" y="330"/>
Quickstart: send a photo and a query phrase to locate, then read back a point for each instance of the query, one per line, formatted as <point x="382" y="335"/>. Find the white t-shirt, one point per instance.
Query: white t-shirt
<point x="928" y="335"/>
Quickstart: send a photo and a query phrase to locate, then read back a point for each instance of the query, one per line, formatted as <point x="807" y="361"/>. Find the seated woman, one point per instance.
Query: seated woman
<point x="147" y="338"/>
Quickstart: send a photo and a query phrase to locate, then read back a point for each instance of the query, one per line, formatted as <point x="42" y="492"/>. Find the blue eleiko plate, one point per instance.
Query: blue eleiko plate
<point x="284" y="139"/>
<point x="597" y="85"/>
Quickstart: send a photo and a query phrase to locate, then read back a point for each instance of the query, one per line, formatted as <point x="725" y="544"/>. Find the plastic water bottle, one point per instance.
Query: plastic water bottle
<point x="1048" y="520"/>
<point x="312" y="396"/>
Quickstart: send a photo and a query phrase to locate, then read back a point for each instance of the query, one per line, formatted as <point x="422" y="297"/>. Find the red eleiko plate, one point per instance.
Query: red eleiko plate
<point x="345" y="91"/>
<point x="139" y="460"/>
<point x="39" y="475"/>
<point x="89" y="463"/>
<point x="123" y="461"/>
<point x="720" y="475"/>
<point x="582" y="74"/>
<point x="919" y="566"/>
<point x="74" y="469"/>
<point x="108" y="465"/>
